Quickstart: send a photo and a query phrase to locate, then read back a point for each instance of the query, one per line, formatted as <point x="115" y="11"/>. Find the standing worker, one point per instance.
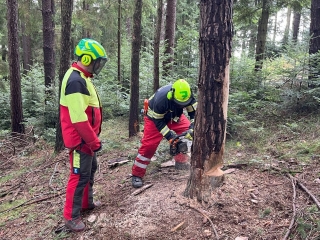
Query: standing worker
<point x="164" y="118"/>
<point x="81" y="119"/>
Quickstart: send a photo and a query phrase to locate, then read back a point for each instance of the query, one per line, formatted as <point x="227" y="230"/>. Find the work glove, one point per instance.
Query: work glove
<point x="98" y="149"/>
<point x="189" y="134"/>
<point x="172" y="136"/>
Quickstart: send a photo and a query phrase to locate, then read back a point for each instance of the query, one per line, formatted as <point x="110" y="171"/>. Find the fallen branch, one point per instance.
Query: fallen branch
<point x="293" y="182"/>
<point x="177" y="227"/>
<point x="30" y="201"/>
<point x="212" y="225"/>
<point x="140" y="190"/>
<point x="310" y="194"/>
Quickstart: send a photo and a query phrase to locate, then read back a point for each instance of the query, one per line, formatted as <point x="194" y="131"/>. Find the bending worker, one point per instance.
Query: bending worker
<point x="164" y="118"/>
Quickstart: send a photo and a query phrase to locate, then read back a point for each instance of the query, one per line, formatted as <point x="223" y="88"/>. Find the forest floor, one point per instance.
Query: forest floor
<point x="258" y="199"/>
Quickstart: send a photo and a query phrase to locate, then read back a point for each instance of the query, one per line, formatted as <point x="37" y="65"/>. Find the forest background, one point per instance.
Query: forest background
<point x="274" y="69"/>
<point x="286" y="84"/>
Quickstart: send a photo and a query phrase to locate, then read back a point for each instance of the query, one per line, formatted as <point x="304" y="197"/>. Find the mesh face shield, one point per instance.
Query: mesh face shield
<point x="99" y="64"/>
<point x="182" y="104"/>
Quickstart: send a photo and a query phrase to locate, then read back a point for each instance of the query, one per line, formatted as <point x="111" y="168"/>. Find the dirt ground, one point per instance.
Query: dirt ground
<point x="256" y="201"/>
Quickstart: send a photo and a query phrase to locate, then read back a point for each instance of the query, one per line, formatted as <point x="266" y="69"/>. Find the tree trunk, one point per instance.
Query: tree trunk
<point x="275" y="28"/>
<point x="252" y="40"/>
<point x="119" y="41"/>
<point x="85" y="31"/>
<point x="66" y="16"/>
<point x="26" y="38"/>
<point x="296" y="23"/>
<point x="262" y="34"/>
<point x="287" y="28"/>
<point x="314" y="46"/>
<point x="14" y="68"/>
<point x="156" y="48"/>
<point x="211" y="115"/>
<point x="48" y="41"/>
<point x="48" y="57"/>
<point x="169" y="36"/>
<point x="4" y="52"/>
<point x="135" y="62"/>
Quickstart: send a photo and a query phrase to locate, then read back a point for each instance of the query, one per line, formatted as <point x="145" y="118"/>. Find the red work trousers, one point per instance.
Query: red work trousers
<point x="151" y="140"/>
<point x="79" y="193"/>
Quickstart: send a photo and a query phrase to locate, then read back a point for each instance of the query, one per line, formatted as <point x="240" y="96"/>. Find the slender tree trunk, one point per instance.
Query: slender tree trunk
<point x="296" y="23"/>
<point x="287" y="28"/>
<point x="86" y="33"/>
<point x="262" y="34"/>
<point x="4" y="52"/>
<point x="315" y="27"/>
<point x="48" y="41"/>
<point x="119" y="41"/>
<point x="25" y="23"/>
<point x="14" y="68"/>
<point x="314" y="45"/>
<point x="66" y="17"/>
<point x="156" y="58"/>
<point x="169" y="36"/>
<point x="211" y="115"/>
<point x="48" y="57"/>
<point x="275" y="28"/>
<point x="252" y="40"/>
<point x="135" y="63"/>
<point x="164" y="10"/>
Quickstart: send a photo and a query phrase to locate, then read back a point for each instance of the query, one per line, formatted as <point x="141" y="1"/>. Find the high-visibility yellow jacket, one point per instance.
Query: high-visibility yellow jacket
<point x="80" y="109"/>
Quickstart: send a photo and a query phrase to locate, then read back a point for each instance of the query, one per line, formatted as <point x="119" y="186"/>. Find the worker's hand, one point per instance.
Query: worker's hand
<point x="189" y="135"/>
<point x="173" y="135"/>
<point x="98" y="149"/>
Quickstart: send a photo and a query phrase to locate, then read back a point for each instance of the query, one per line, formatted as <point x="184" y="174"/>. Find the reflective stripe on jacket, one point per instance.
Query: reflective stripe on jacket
<point x="161" y="110"/>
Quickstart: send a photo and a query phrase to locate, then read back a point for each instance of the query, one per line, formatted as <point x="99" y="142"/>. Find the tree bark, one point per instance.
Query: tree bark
<point x="314" y="46"/>
<point x="287" y="28"/>
<point x="211" y="115"/>
<point x="275" y="28"/>
<point x="119" y="41"/>
<point x="135" y="63"/>
<point x="48" y="57"/>
<point x="17" y="125"/>
<point x="169" y="36"/>
<point x="156" y="48"/>
<point x="48" y="41"/>
<point x="296" y="24"/>
<point x="66" y="17"/>
<point x="262" y="34"/>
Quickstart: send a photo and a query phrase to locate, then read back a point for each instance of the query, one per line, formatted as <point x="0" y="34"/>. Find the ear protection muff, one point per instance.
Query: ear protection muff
<point x="170" y="94"/>
<point x="86" y="60"/>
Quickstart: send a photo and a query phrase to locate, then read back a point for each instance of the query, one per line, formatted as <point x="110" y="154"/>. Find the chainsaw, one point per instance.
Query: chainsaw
<point x="179" y="144"/>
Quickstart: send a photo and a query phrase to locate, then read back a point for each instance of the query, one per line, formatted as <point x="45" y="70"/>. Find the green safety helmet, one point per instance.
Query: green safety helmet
<point x="89" y="50"/>
<point x="180" y="93"/>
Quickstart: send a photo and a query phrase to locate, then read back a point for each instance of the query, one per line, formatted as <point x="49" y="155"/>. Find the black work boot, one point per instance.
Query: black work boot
<point x="136" y="182"/>
<point x="75" y="225"/>
<point x="95" y="204"/>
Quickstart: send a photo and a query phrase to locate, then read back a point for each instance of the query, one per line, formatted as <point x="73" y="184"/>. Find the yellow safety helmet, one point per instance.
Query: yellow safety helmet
<point x="89" y="50"/>
<point x="180" y="93"/>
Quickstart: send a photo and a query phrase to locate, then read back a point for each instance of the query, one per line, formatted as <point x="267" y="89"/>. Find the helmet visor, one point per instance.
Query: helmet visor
<point x="99" y="64"/>
<point x="182" y="104"/>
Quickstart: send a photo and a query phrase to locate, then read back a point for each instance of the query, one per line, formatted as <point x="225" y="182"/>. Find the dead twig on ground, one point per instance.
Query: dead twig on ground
<point x="140" y="190"/>
<point x="310" y="194"/>
<point x="293" y="182"/>
<point x="212" y="225"/>
<point x="31" y="201"/>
